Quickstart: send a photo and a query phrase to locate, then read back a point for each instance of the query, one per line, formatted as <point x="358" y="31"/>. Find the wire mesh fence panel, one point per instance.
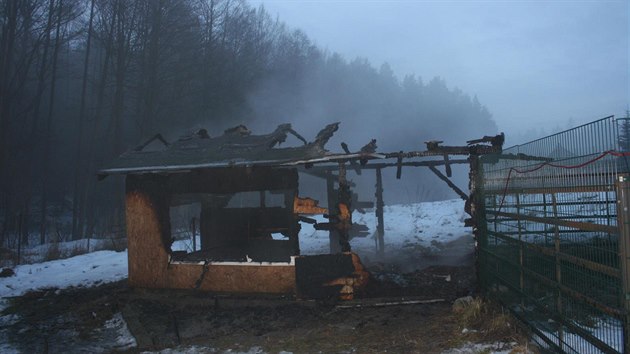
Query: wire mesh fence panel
<point x="550" y="251"/>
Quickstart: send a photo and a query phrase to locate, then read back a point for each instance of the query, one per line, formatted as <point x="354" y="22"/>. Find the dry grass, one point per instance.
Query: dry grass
<point x="117" y="244"/>
<point x="76" y="250"/>
<point x="53" y="252"/>
<point x="485" y="316"/>
<point x="7" y="257"/>
<point x="486" y="321"/>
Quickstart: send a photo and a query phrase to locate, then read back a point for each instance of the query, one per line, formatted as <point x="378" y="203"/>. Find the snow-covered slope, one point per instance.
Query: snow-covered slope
<point x="83" y="270"/>
<point x="423" y="224"/>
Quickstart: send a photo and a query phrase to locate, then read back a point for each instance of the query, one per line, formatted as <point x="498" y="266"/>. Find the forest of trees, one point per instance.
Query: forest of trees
<point x="81" y="81"/>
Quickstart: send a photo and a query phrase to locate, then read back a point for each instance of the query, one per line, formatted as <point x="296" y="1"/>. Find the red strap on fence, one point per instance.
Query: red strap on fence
<point x="514" y="169"/>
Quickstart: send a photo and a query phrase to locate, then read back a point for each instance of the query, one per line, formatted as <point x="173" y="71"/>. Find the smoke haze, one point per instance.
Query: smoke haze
<point x="534" y="64"/>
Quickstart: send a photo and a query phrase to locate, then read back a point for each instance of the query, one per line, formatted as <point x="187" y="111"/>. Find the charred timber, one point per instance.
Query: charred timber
<point x="449" y="183"/>
<point x="318" y="171"/>
<point x="344" y="207"/>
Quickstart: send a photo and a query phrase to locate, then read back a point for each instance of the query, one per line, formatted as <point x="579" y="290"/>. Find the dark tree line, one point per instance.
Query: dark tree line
<point x="81" y="81"/>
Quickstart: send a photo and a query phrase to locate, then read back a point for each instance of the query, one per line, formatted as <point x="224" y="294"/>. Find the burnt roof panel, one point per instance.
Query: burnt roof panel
<point x="236" y="147"/>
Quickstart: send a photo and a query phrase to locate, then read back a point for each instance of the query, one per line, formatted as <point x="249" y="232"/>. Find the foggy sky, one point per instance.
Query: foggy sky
<point x="532" y="63"/>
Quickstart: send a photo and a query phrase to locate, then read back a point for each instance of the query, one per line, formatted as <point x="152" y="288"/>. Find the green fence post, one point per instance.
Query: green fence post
<point x="558" y="266"/>
<point x="478" y="211"/>
<point x="521" y="255"/>
<point x="623" y="222"/>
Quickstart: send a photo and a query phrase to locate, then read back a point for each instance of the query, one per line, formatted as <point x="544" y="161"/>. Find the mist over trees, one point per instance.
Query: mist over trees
<point x="83" y="81"/>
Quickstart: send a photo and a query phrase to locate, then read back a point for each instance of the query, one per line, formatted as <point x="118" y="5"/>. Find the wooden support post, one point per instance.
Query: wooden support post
<point x="294" y="225"/>
<point x="344" y="209"/>
<point x="399" y="165"/>
<point x="447" y="166"/>
<point x="380" y="226"/>
<point x="623" y="222"/>
<point x="449" y="183"/>
<point x="477" y="210"/>
<point x="333" y="235"/>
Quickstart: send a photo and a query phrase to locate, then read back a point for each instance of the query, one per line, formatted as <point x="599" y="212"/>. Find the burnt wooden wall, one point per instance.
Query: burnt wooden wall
<point x="148" y="232"/>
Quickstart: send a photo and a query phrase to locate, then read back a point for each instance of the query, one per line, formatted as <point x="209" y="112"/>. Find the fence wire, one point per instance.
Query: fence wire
<point x="550" y="246"/>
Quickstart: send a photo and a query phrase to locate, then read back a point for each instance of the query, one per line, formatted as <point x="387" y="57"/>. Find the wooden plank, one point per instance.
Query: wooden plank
<point x="459" y="192"/>
<point x="447" y="165"/>
<point x="594" y="266"/>
<point x="593" y="202"/>
<point x="276" y="279"/>
<point x="559" y="318"/>
<point x="546" y="179"/>
<point x="570" y="217"/>
<point x="540" y="232"/>
<point x="316" y="170"/>
<point x="566" y="290"/>
<point x="558" y="222"/>
<point x="365" y="304"/>
<point x="549" y="190"/>
<point x="307" y="206"/>
<point x="148" y="230"/>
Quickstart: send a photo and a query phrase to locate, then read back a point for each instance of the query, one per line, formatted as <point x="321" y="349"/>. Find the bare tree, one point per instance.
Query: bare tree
<point x="47" y="132"/>
<point x="77" y="185"/>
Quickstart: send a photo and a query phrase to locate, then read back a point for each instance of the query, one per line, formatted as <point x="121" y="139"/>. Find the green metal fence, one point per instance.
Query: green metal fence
<point x="549" y="240"/>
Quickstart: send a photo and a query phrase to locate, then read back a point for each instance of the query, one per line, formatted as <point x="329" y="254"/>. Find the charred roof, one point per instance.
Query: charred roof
<point x="235" y="147"/>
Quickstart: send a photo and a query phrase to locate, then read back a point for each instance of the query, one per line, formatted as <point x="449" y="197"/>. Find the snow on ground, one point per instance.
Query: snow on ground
<point x="491" y="348"/>
<point x="84" y="270"/>
<point x="424" y="224"/>
<point x="603" y="329"/>
<point x="124" y="339"/>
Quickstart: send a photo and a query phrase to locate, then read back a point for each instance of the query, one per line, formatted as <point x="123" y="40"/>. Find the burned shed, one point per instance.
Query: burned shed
<point x="243" y="189"/>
